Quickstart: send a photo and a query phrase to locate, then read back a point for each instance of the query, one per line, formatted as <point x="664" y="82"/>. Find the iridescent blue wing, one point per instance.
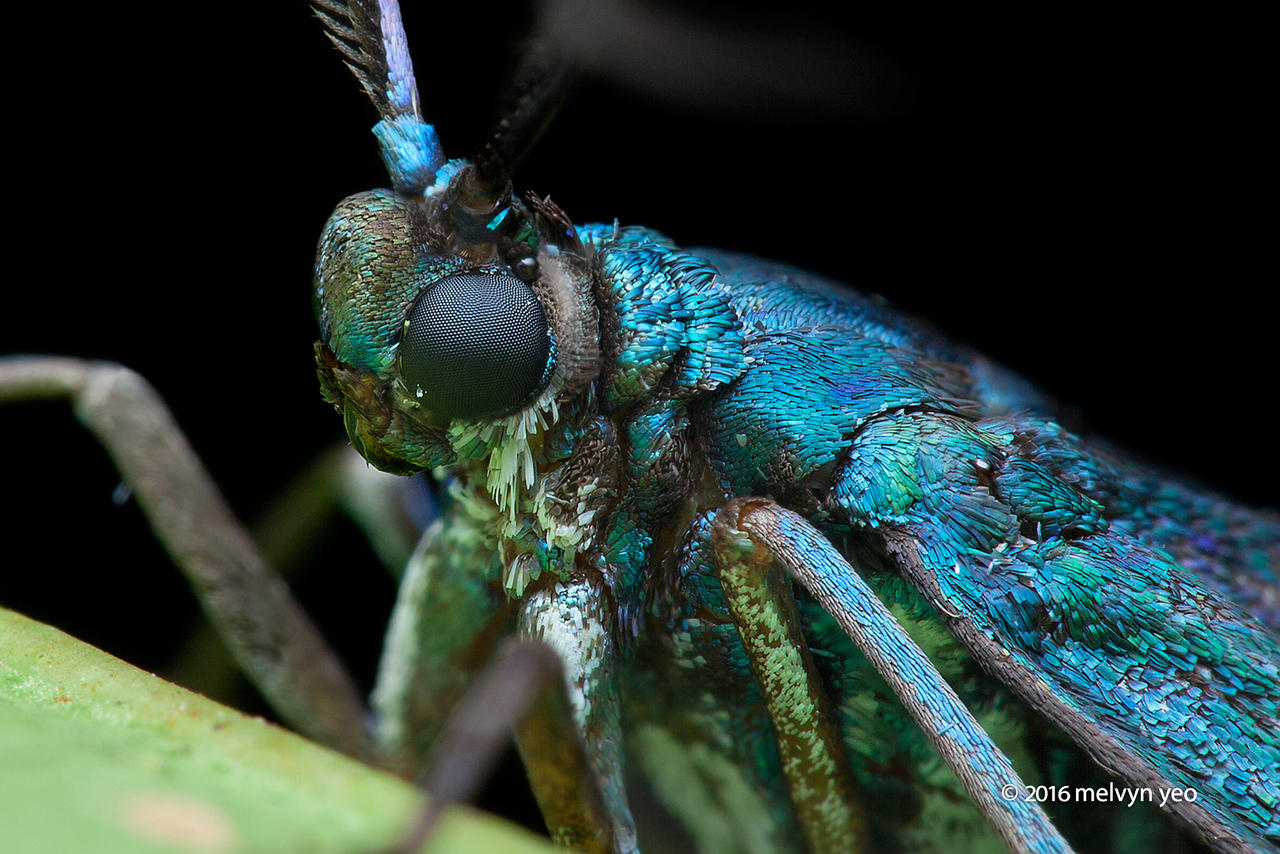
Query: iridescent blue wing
<point x="1136" y="612"/>
<point x="1010" y="528"/>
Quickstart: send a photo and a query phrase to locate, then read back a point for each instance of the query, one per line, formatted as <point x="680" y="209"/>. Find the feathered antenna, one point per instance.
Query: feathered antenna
<point x="370" y="36"/>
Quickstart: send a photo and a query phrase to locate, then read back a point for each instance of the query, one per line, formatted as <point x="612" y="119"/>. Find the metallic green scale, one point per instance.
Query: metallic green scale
<point x="684" y="681"/>
<point x="703" y="420"/>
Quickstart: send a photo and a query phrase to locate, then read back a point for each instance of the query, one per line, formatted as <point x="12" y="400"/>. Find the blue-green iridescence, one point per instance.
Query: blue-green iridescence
<point x="873" y="426"/>
<point x="410" y="149"/>
<point x="1117" y="592"/>
<point x="374" y="268"/>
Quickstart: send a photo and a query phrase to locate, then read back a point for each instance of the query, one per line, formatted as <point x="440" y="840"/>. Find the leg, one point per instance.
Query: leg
<point x="245" y="600"/>
<point x="574" y="619"/>
<point x="449" y="615"/>
<point x="761" y="528"/>
<point x="814" y="762"/>
<point x="523" y="687"/>
<point x="450" y="612"/>
<point x="287" y="533"/>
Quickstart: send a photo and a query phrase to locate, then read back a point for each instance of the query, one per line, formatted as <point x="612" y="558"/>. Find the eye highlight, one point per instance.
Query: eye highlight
<point x="476" y="344"/>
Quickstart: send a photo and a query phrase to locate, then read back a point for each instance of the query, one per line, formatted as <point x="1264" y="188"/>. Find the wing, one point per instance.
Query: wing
<point x="1004" y="525"/>
<point x="1128" y="607"/>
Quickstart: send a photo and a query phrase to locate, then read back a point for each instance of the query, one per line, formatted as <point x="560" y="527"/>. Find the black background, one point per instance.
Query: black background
<point x="1079" y="193"/>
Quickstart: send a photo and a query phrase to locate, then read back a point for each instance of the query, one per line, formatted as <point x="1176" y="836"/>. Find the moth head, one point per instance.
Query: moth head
<point x="448" y="308"/>
<point x="424" y="321"/>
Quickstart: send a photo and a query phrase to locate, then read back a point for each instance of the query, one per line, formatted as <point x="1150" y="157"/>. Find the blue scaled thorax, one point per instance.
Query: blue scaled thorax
<point x="1136" y="612"/>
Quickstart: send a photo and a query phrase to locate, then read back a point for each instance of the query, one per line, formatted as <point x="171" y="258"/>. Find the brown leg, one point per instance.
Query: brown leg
<point x="522" y="688"/>
<point x="246" y="601"/>
<point x="759" y="596"/>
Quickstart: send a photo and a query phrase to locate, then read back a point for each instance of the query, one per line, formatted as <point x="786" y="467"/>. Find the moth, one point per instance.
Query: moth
<point x="996" y="325"/>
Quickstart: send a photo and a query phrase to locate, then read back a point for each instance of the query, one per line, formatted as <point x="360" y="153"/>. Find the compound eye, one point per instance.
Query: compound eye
<point x="477" y="344"/>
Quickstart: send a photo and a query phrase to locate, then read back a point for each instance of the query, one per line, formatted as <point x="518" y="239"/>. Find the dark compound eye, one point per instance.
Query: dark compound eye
<point x="477" y="344"/>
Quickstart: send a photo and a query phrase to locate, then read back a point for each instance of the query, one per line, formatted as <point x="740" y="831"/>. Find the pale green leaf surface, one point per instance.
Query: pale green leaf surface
<point x="98" y="756"/>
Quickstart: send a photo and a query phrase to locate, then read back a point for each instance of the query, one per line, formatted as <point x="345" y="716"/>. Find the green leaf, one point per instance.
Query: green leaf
<point x="98" y="756"/>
